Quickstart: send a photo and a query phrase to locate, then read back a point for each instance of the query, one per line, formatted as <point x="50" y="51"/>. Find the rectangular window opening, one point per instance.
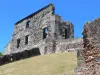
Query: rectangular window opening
<point x="66" y="33"/>
<point x="27" y="24"/>
<point x="26" y="39"/>
<point x="45" y="32"/>
<point x="18" y="43"/>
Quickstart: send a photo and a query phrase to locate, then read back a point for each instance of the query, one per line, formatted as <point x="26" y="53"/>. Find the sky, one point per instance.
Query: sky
<point x="76" y="11"/>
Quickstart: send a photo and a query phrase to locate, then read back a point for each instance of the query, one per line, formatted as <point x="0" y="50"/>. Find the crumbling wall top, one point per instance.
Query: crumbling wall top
<point x="50" y="5"/>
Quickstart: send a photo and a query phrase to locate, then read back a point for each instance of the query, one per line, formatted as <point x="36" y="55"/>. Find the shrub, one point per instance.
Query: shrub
<point x="1" y="54"/>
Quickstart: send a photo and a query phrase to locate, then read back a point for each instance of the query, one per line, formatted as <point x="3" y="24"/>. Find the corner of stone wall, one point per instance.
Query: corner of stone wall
<point x="47" y="46"/>
<point x="42" y="47"/>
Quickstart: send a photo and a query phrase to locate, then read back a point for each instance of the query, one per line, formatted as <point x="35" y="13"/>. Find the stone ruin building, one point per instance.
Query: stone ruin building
<point x="45" y="31"/>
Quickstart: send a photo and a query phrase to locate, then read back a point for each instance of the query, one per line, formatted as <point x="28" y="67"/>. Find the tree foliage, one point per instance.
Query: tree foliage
<point x="1" y="54"/>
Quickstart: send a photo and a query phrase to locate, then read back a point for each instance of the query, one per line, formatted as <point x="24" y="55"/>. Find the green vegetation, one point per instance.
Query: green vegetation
<point x="80" y="60"/>
<point x="88" y="22"/>
<point x="52" y="64"/>
<point x="1" y="54"/>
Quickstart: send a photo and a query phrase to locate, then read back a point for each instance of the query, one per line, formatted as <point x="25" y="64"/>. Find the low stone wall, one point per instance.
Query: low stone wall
<point x="49" y="45"/>
<point x="69" y="45"/>
<point x="18" y="56"/>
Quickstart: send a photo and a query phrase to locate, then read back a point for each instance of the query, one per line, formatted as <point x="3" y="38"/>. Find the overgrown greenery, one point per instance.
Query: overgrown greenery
<point x="88" y="22"/>
<point x="80" y="60"/>
<point x="1" y="54"/>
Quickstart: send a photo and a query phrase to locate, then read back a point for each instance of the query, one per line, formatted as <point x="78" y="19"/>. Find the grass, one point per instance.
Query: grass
<point x="52" y="64"/>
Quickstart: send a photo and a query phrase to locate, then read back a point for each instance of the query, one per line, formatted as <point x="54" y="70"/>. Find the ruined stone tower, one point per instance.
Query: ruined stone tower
<point x="42" y="29"/>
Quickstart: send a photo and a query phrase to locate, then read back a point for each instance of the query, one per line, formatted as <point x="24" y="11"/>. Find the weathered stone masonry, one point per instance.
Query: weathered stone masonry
<point x="90" y="55"/>
<point x="44" y="30"/>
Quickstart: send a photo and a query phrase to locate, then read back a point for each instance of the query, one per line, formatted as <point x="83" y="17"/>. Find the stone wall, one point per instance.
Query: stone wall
<point x="69" y="45"/>
<point x="43" y="18"/>
<point x="7" y="49"/>
<point x="91" y="51"/>
<point x="40" y="20"/>
<point x="61" y="26"/>
<point x="91" y="33"/>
